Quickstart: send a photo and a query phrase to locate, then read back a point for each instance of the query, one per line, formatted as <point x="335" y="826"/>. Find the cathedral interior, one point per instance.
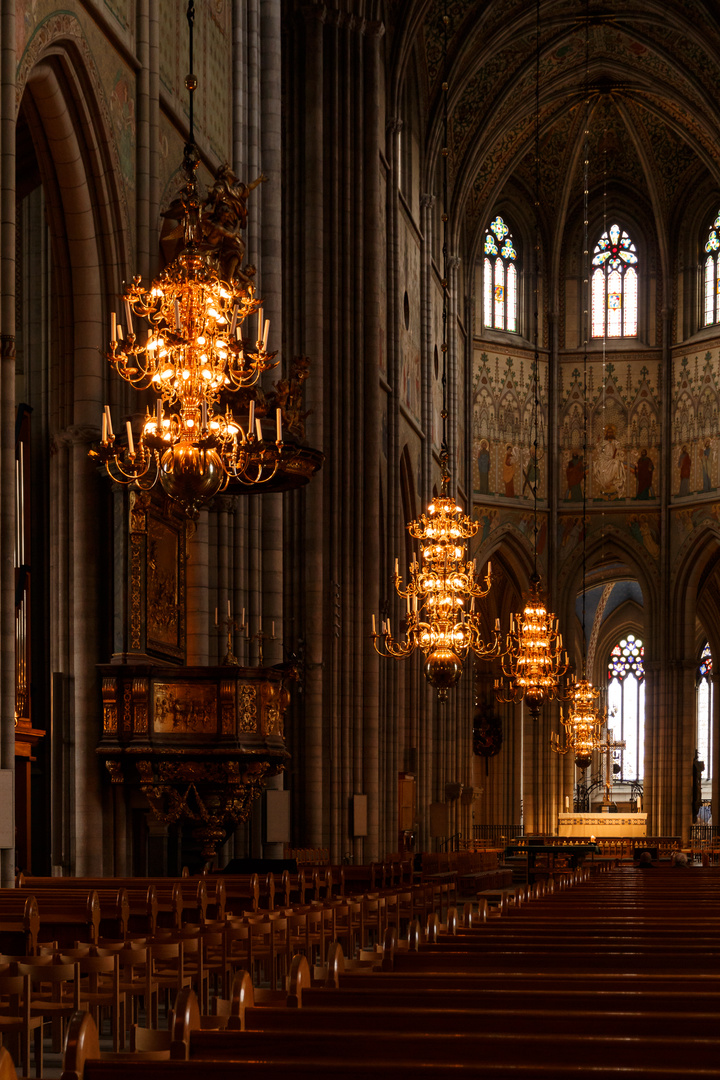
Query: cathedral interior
<point x="480" y="243"/>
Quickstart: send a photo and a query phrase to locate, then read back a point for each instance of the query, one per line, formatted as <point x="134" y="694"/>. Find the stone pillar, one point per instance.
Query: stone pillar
<point x="8" y="62"/>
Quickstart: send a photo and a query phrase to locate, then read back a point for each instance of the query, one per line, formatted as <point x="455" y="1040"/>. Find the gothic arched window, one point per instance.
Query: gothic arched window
<point x="626" y="704"/>
<point x="614" y="285"/>
<point x="711" y="276"/>
<point x="500" y="278"/>
<point x="705" y="711"/>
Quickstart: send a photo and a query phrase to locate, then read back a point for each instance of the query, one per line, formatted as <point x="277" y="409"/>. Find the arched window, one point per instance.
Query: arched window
<point x="705" y="711"/>
<point x="500" y="278"/>
<point x="626" y="704"/>
<point x="614" y="285"/>
<point x="711" y="276"/>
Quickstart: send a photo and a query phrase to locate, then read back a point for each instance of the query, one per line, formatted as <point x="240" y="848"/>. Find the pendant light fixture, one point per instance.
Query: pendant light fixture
<point x="442" y="619"/>
<point x="533" y="662"/>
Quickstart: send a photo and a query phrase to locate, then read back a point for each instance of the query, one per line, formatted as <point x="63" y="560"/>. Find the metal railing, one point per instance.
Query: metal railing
<point x="704" y="834"/>
<point x="496" y="835"/>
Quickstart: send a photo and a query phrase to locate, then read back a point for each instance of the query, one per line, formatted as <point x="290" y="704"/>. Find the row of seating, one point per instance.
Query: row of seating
<point x="616" y="975"/>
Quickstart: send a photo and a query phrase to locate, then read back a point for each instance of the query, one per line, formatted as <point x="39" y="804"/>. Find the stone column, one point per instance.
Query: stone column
<point x="315" y="581"/>
<point x="8" y="62"/>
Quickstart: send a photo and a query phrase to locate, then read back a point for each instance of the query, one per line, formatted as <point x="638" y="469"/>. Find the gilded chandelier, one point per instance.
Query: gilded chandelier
<point x="194" y="336"/>
<point x="441" y="620"/>
<point x="583" y="726"/>
<point x="533" y="661"/>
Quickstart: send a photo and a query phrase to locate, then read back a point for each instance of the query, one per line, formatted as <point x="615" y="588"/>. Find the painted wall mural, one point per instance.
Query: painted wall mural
<point x="695" y="424"/>
<point x="504" y="460"/>
<point x="623" y="438"/>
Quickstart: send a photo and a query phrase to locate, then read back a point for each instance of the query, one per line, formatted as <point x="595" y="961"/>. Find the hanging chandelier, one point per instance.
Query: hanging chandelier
<point x="533" y="662"/>
<point x="189" y="339"/>
<point x="583" y="726"/>
<point x="584" y="723"/>
<point x="441" y="620"/>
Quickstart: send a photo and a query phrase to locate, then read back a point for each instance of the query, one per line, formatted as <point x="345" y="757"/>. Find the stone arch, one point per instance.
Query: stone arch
<point x="609" y="557"/>
<point x="87" y="220"/>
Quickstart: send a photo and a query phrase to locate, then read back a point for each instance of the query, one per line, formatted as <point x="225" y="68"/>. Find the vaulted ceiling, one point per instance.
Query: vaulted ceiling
<point x="646" y="72"/>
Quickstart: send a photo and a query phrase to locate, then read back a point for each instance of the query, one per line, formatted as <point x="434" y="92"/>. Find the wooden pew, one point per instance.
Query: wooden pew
<point x="114" y="906"/>
<point x="19" y="923"/>
<point x="141" y="895"/>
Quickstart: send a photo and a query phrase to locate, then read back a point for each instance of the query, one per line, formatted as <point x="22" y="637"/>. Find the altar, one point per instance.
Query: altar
<point x="599" y="825"/>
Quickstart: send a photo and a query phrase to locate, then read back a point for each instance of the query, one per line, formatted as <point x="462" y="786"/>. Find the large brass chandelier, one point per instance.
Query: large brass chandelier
<point x="194" y="336"/>
<point x="441" y="619"/>
<point x="533" y="662"/>
<point x="583" y="726"/>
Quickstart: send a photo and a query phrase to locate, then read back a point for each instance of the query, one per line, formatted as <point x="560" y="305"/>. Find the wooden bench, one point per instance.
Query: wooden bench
<point x="19" y="923"/>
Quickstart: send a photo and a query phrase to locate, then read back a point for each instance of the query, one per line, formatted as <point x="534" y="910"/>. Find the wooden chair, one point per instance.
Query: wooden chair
<point x="17" y="1023"/>
<point x="137" y="983"/>
<point x="54" y="995"/>
<point x="100" y="988"/>
<point x="167" y="970"/>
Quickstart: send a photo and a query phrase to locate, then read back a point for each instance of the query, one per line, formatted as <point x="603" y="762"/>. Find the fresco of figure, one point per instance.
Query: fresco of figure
<point x="574" y="475"/>
<point x="509" y="471"/>
<point x="684" y="465"/>
<point x="531" y="473"/>
<point x="706" y="462"/>
<point x="609" y="469"/>
<point x="643" y="470"/>
<point x="483" y="462"/>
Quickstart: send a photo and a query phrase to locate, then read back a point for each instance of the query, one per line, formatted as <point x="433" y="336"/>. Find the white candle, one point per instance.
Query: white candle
<point x="397" y="568"/>
<point x="373" y="624"/>
<point x="128" y="317"/>
<point x="489" y="568"/>
<point x="233" y="321"/>
<point x="177" y="315"/>
<point x="204" y="415"/>
<point x="131" y="444"/>
<point x="272" y="630"/>
<point x="260" y="624"/>
<point x="567" y="804"/>
<point x="113" y="327"/>
<point x="243" y="618"/>
<point x="104" y="429"/>
<point x="251" y="421"/>
<point x="266" y="331"/>
<point x="260" y="325"/>
<point x="228" y="609"/>
<point x="159" y="415"/>
<point x="497" y="625"/>
<point x="216" y="621"/>
<point x="118" y="329"/>
<point x="109" y="420"/>
<point x="258" y="429"/>
<point x="278" y="425"/>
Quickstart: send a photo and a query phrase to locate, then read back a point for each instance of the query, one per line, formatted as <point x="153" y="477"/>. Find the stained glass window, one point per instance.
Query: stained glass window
<point x="500" y="279"/>
<point x="712" y="275"/>
<point x="614" y="285"/>
<point x="626" y="704"/>
<point x="705" y="711"/>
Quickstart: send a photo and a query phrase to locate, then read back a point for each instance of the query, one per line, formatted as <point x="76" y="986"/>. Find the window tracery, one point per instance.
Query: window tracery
<point x="711" y="275"/>
<point x="626" y="703"/>
<point x="500" y="278"/>
<point x="614" y="285"/>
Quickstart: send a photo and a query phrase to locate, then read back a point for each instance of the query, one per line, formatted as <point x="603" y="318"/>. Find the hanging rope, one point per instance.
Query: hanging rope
<point x="536" y="358"/>
<point x="190" y="80"/>
<point x="586" y="259"/>
<point x="444" y="452"/>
